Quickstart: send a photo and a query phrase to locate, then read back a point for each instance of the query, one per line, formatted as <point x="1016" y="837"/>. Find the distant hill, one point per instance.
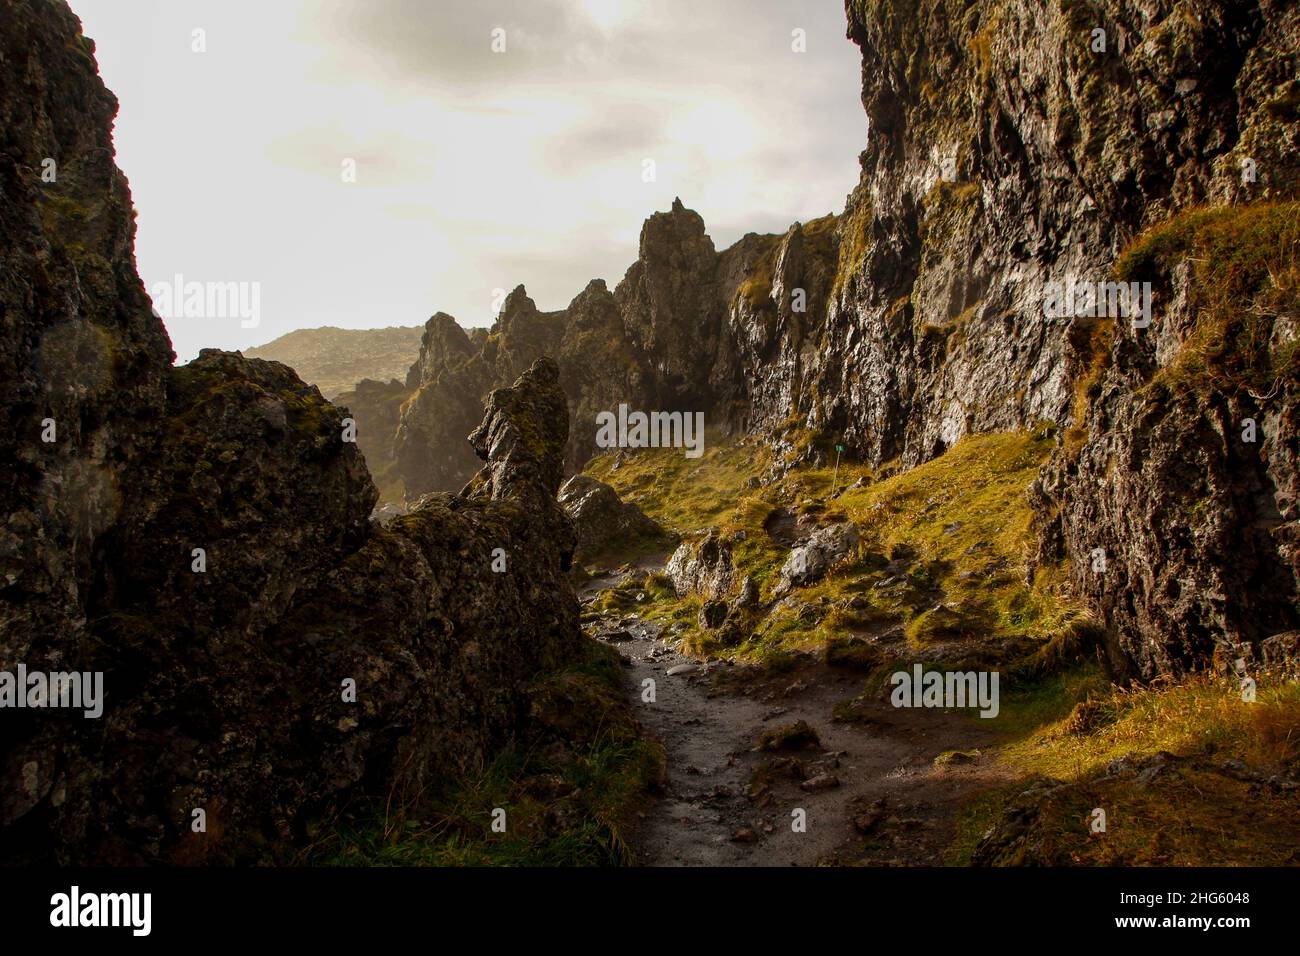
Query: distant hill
<point x="334" y="360"/>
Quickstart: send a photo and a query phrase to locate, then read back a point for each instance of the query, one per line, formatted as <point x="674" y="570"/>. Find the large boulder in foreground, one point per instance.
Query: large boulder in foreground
<point x="252" y="468"/>
<point x="604" y="523"/>
<point x="359" y="661"/>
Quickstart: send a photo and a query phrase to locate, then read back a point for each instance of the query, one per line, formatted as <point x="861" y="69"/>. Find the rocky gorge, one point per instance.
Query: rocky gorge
<point x="1019" y="489"/>
<point x="1012" y="146"/>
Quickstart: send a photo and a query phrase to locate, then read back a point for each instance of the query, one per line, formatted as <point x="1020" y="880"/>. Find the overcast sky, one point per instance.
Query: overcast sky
<point x="475" y="170"/>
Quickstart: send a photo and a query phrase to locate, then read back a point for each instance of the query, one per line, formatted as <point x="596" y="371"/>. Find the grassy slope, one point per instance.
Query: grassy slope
<point x="1245" y="273"/>
<point x="958" y="524"/>
<point x="336" y="359"/>
<point x="1070" y="726"/>
<point x="963" y="523"/>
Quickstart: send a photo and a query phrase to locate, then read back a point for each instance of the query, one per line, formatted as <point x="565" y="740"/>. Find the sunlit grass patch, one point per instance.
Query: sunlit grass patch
<point x="960" y="525"/>
<point x="1191" y="810"/>
<point x="686" y="494"/>
<point x="1187" y="717"/>
<point x="1245" y="272"/>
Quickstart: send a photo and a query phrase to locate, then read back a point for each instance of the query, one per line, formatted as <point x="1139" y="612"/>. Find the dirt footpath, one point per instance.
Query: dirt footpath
<point x="868" y="786"/>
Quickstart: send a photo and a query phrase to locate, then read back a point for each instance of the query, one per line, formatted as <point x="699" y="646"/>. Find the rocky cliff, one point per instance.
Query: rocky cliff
<point x="676" y="334"/>
<point x="199" y="537"/>
<point x="1014" y="147"/>
<point x="1017" y="144"/>
<point x="376" y="409"/>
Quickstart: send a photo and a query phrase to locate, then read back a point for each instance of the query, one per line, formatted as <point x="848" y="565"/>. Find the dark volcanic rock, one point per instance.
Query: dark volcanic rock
<point x="227" y="688"/>
<point x="250" y="467"/>
<point x="443" y="347"/>
<point x="306" y="657"/>
<point x="521" y="440"/>
<point x="376" y="408"/>
<point x="454" y="374"/>
<point x="79" y="345"/>
<point x="443" y="646"/>
<point x="1059" y="155"/>
<point x="604" y="522"/>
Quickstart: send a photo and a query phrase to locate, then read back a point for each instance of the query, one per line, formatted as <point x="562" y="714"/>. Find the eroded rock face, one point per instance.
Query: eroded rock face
<point x="82" y="359"/>
<point x="1059" y="155"/>
<point x="671" y="305"/>
<point x="250" y="466"/>
<point x="229" y="688"/>
<point x="521" y="439"/>
<point x="445" y="643"/>
<point x="430" y="447"/>
<point x="1180" y="532"/>
<point x="602" y="521"/>
<point x="375" y="408"/>
<point x="444" y="346"/>
<point x="199" y="536"/>
<point x="599" y="368"/>
<point x="812" y="559"/>
<point x="703" y="567"/>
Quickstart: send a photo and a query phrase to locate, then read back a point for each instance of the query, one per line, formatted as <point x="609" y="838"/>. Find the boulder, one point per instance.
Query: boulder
<point x="703" y="567"/>
<point x="603" y="523"/>
<point x="1281" y="653"/>
<point x="747" y="596"/>
<point x="810" y="561"/>
<point x="712" y="615"/>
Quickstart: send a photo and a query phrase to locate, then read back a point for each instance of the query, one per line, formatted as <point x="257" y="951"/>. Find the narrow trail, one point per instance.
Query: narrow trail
<point x="869" y="789"/>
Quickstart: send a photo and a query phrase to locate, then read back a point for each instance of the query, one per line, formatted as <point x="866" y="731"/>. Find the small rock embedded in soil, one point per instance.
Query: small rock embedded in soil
<point x="823" y="781"/>
<point x="955" y="758"/>
<point x="796" y="736"/>
<point x="866" y="820"/>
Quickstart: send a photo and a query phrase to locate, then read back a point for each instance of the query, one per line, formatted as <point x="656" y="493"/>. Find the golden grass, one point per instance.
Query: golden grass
<point x="1183" y="718"/>
<point x="962" y="520"/>
<point x="1245" y="273"/>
